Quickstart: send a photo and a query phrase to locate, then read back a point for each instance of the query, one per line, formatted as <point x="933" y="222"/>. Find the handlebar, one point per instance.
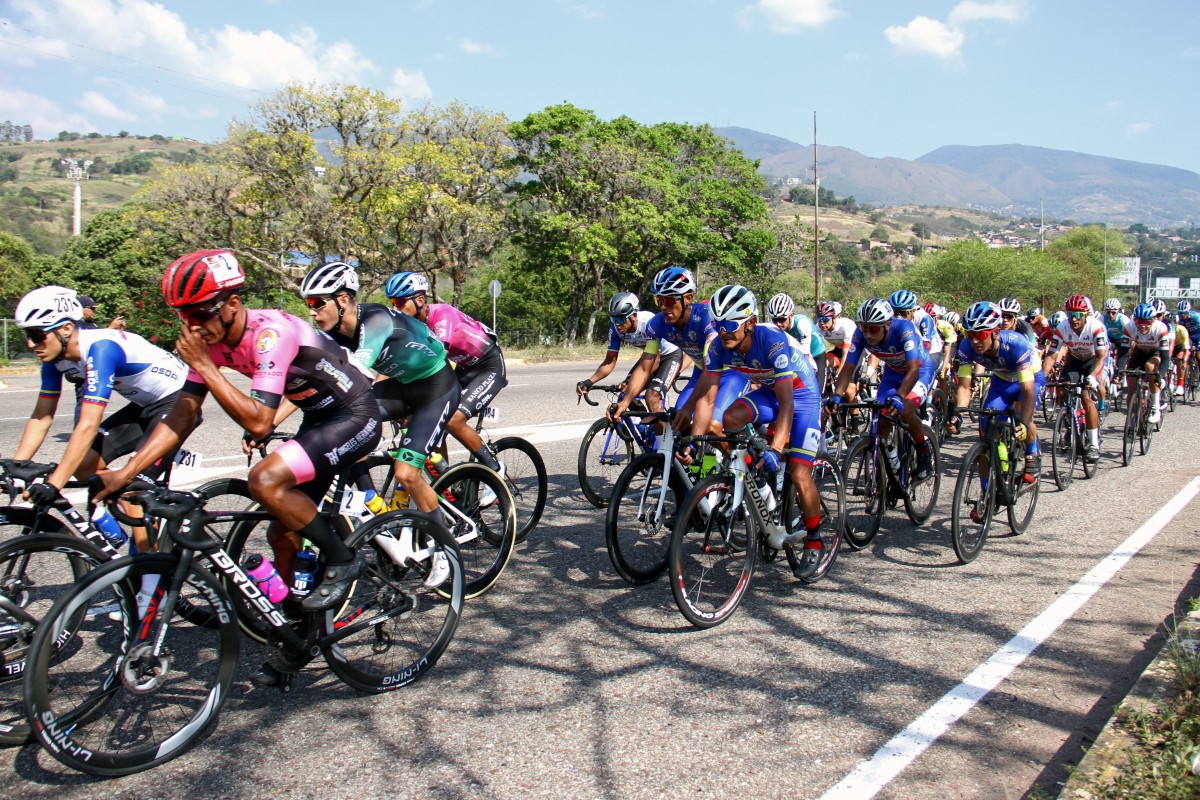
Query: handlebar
<point x="261" y="444"/>
<point x="612" y="388"/>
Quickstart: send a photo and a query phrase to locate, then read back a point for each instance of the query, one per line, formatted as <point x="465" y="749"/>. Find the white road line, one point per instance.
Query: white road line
<point x="869" y="777"/>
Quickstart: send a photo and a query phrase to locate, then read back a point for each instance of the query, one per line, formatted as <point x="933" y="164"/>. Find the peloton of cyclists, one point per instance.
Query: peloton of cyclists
<point x="781" y="310"/>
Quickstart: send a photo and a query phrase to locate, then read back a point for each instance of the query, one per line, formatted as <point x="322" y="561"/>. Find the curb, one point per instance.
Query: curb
<point x="1104" y="759"/>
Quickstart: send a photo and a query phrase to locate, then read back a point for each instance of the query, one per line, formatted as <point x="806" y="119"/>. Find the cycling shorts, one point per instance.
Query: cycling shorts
<point x="124" y="432"/>
<point x="1004" y="395"/>
<point x="889" y="384"/>
<point x="1138" y="359"/>
<point x="480" y="384"/>
<point x="668" y="370"/>
<point x="806" y="438"/>
<point x="427" y="403"/>
<point x="1178" y="350"/>
<point x="328" y="444"/>
<point x="1075" y="369"/>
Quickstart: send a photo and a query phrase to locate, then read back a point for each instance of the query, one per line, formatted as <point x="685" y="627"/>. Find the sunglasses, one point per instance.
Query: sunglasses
<point x="779" y="320"/>
<point x="874" y="330"/>
<point x="1076" y="314"/>
<point x="1009" y="316"/>
<point x="667" y="302"/>
<point x="979" y="336"/>
<point x="198" y="316"/>
<point x="317" y="303"/>
<point x="36" y="335"/>
<point x="1143" y="323"/>
<point x="824" y="319"/>
<point x="729" y="325"/>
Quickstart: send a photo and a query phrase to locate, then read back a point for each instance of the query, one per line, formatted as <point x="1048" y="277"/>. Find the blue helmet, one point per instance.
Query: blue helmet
<point x="673" y="282"/>
<point x="982" y="316"/>
<point x="1144" y="312"/>
<point x="903" y="300"/>
<point x="1185" y="306"/>
<point x="406" y="284"/>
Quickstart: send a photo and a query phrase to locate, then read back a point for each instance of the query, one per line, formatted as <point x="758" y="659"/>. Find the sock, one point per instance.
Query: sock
<point x="1155" y="397"/>
<point x="1094" y="436"/>
<point x="321" y="534"/>
<point x="813" y="526"/>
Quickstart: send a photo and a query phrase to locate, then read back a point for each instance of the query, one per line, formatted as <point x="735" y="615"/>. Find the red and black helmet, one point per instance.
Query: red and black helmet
<point x="1077" y="302"/>
<point x="201" y="276"/>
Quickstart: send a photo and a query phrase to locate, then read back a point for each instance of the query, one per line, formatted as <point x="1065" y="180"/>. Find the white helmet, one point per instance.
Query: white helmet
<point x="875" y="311"/>
<point x="328" y="279"/>
<point x="780" y="306"/>
<point x="1112" y="304"/>
<point x="48" y="307"/>
<point x="733" y="302"/>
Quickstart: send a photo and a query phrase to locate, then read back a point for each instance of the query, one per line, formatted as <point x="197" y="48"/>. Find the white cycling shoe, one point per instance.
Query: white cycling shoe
<point x="487" y="497"/>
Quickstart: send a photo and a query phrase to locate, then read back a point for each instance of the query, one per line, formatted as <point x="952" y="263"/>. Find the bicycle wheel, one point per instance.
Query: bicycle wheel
<point x="937" y="418"/>
<point x="603" y="453"/>
<point x="711" y="564"/>
<point x="485" y="532"/>
<point x="636" y="532"/>
<point x="525" y="472"/>
<point x="1145" y="428"/>
<point x="1170" y="395"/>
<point x="1130" y="431"/>
<point x="394" y="627"/>
<point x="920" y="498"/>
<point x="968" y="535"/>
<point x="1192" y="380"/>
<point x="1049" y="405"/>
<point x="828" y="479"/>
<point x="35" y="570"/>
<point x="866" y="493"/>
<point x="101" y="700"/>
<point x="1023" y="497"/>
<point x="1064" y="448"/>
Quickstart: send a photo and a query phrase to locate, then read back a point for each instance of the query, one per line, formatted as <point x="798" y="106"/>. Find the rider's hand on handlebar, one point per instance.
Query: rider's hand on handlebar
<point x="250" y="444"/>
<point x="583" y="387"/>
<point x="896" y="402"/>
<point x="111" y="484"/>
<point x="42" y="494"/>
<point x="771" y="459"/>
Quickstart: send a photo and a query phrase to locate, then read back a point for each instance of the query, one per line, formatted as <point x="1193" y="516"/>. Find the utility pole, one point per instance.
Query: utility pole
<point x="816" y="223"/>
<point x="77" y="171"/>
<point x="1042" y="228"/>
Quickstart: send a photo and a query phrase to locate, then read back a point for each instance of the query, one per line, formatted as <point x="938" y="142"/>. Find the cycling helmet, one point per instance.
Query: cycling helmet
<point x="1077" y="302"/>
<point x="953" y="317"/>
<point x="982" y="316"/>
<point x="929" y="307"/>
<point x="1143" y="312"/>
<point x="406" y="284"/>
<point x="1112" y="304"/>
<point x="1160" y="307"/>
<point x="1057" y="319"/>
<point x="1007" y="305"/>
<point x="828" y="308"/>
<point x="200" y="277"/>
<point x="623" y="305"/>
<point x="1034" y="313"/>
<point x="875" y="311"/>
<point x="938" y="311"/>
<point x="48" y="308"/>
<point x="328" y="279"/>
<point x="1184" y="306"/>
<point x="732" y="302"/>
<point x="780" y="306"/>
<point x="902" y="300"/>
<point x="673" y="282"/>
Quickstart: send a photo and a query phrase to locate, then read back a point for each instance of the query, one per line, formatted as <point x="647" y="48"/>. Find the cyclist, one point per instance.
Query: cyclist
<point x="1150" y="349"/>
<point x="422" y="385"/>
<point x="1116" y="322"/>
<point x="1189" y="320"/>
<point x="907" y="374"/>
<point x="101" y="360"/>
<point x="283" y="356"/>
<point x="788" y="396"/>
<point x="1082" y="344"/>
<point x="628" y="326"/>
<point x="470" y="345"/>
<point x="836" y="330"/>
<point x="781" y="310"/>
<point x="1016" y="381"/>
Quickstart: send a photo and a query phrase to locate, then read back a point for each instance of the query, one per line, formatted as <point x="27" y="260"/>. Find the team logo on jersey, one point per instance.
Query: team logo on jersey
<point x="909" y="345"/>
<point x="781" y="361"/>
<point x="266" y="341"/>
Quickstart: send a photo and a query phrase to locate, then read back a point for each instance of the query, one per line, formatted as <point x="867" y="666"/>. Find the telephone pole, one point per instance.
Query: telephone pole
<point x="816" y="223"/>
<point x="77" y="171"/>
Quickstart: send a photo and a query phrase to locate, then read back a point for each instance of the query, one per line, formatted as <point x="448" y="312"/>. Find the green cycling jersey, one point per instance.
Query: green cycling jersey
<point x="394" y="344"/>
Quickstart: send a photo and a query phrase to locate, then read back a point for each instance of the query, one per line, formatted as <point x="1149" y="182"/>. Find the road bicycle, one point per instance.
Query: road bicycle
<point x="729" y="520"/>
<point x="524" y="471"/>
<point x="1070" y="432"/>
<point x="874" y="484"/>
<point x="1137" y="416"/>
<point x="113" y="686"/>
<point x="1191" y="379"/>
<point x="992" y="475"/>
<point x="607" y="448"/>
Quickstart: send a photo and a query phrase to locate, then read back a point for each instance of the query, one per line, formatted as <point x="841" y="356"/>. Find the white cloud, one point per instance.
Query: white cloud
<point x="790" y="16"/>
<point x="411" y="87"/>
<point x="100" y="105"/>
<point x="1003" y="10"/>
<point x="473" y="48"/>
<point x="927" y="36"/>
<point x="42" y="113"/>
<point x="1137" y="129"/>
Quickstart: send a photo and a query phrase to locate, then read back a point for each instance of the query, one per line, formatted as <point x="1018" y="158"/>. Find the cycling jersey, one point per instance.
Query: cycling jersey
<point x="901" y="345"/>
<point x="287" y="357"/>
<point x="394" y="344"/>
<point x="1085" y="344"/>
<point x="1115" y="328"/>
<point x="840" y="334"/>
<point x="637" y="337"/>
<point x="467" y="339"/>
<point x="947" y="332"/>
<point x="116" y="360"/>
<point x="1190" y="320"/>
<point x="1182" y="336"/>
<point x="1013" y="361"/>
<point x="927" y="327"/>
<point x="1156" y="337"/>
<point x="694" y="339"/>
<point x="804" y="332"/>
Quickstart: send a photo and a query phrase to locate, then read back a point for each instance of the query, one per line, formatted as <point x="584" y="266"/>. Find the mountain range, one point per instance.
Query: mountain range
<point x="1013" y="179"/>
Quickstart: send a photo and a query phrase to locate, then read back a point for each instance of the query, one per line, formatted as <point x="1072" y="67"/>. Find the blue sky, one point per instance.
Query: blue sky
<point x="885" y="77"/>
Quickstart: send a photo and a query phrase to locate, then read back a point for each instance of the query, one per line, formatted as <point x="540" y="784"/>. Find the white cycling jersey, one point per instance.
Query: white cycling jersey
<point x="637" y="337"/>
<point x="1157" y="337"/>
<point x="113" y="360"/>
<point x="1084" y="345"/>
<point x="841" y="333"/>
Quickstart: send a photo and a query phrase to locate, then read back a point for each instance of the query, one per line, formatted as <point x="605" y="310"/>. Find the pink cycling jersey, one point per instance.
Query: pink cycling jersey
<point x="467" y="339"/>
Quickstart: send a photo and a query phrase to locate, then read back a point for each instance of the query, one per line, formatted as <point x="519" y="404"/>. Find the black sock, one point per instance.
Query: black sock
<point x="320" y="533"/>
<point x="486" y="458"/>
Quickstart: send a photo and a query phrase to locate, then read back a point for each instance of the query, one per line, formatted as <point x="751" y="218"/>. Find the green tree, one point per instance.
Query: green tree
<point x="16" y="271"/>
<point x="1083" y="250"/>
<point x="880" y="234"/>
<point x="966" y="271"/>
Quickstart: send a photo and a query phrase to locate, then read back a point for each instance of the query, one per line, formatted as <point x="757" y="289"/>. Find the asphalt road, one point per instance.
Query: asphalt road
<point x="564" y="682"/>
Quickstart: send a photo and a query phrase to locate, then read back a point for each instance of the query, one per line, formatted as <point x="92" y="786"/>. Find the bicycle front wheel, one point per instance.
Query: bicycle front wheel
<point x="866" y="493"/>
<point x="525" y="472"/>
<point x="828" y="479"/>
<point x="110" y="701"/>
<point x="603" y="454"/>
<point x="396" y="624"/>
<point x="921" y="497"/>
<point x="1064" y="448"/>
<point x="711" y="563"/>
<point x="971" y="514"/>
<point x="478" y="510"/>
<point x="636" y="531"/>
<point x="1022" y="496"/>
<point x="1130" y="431"/>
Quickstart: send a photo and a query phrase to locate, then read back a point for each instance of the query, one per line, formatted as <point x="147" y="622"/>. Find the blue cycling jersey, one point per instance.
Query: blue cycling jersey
<point x="693" y="339"/>
<point x="1191" y="321"/>
<point x="771" y="358"/>
<point x="1013" y="360"/>
<point x="112" y="360"/>
<point x="901" y="345"/>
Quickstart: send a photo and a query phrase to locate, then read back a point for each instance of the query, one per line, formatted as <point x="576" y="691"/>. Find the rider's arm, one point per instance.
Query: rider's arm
<point x="704" y="398"/>
<point x="602" y="371"/>
<point x="638" y="378"/>
<point x="255" y="416"/>
<point x="42" y="417"/>
<point x="165" y="437"/>
<point x="80" y="443"/>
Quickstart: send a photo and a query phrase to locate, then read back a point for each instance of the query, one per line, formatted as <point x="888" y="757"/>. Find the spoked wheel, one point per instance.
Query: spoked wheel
<point x="922" y="496"/>
<point x="866" y="492"/>
<point x="828" y="479"/>
<point x="1022" y="497"/>
<point x="1145" y="429"/>
<point x="971" y="515"/>
<point x="710" y="564"/>
<point x="641" y="514"/>
<point x="111" y="699"/>
<point x="478" y="509"/>
<point x="1049" y="405"/>
<point x="937" y="421"/>
<point x="603" y="453"/>
<point x="1129" y="433"/>
<point x="1064" y="448"/>
<point x="525" y="472"/>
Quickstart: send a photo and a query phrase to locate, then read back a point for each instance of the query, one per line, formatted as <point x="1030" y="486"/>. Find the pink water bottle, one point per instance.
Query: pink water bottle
<point x="263" y="573"/>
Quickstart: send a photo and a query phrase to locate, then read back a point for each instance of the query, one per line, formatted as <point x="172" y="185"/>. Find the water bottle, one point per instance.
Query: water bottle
<point x="374" y="502"/>
<point x="893" y="458"/>
<point x="108" y="526"/>
<point x="1002" y="451"/>
<point x="435" y="465"/>
<point x="305" y="572"/>
<point x="399" y="500"/>
<point x="263" y="572"/>
<point x="764" y="489"/>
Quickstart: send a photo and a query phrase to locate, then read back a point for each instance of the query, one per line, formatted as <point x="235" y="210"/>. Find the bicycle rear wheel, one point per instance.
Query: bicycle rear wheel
<point x="828" y="479"/>
<point x="966" y="534"/>
<point x="866" y="493"/>
<point x="920" y="498"/>
<point x="525" y="472"/>
<point x="485" y="530"/>
<point x="1064" y="448"/>
<point x="394" y="627"/>
<point x="603" y="454"/>
<point x="637" y="534"/>
<point x="100" y="700"/>
<point x="1023" y="497"/>
<point x="1145" y="428"/>
<point x="1130" y="431"/>
<point x="711" y="564"/>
